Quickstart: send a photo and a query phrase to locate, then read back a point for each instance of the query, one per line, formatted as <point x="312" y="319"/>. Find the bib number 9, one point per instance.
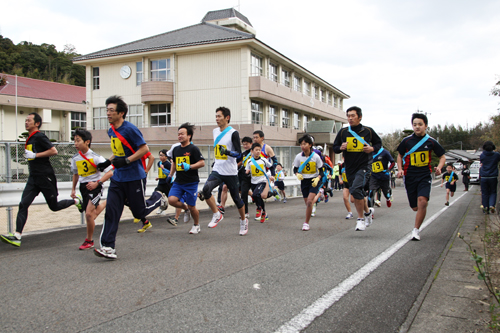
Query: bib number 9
<point x="353" y="145"/>
<point x="377" y="167"/>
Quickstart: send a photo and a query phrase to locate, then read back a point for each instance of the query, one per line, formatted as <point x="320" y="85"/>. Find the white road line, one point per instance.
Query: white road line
<point x="307" y="316"/>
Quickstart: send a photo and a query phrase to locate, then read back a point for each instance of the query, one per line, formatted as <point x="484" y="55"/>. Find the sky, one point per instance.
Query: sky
<point x="392" y="57"/>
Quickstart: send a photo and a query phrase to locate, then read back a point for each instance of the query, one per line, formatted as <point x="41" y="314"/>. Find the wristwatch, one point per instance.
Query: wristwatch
<point x="100" y="183"/>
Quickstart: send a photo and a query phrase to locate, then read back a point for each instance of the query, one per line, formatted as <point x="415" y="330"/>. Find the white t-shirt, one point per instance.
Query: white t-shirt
<point x="311" y="170"/>
<point x="169" y="153"/>
<point x="224" y="165"/>
<point x="257" y="176"/>
<point x="85" y="170"/>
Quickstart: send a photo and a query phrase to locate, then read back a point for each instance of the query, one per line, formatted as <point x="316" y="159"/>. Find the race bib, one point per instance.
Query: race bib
<point x="419" y="159"/>
<point x="218" y="155"/>
<point x="344" y="178"/>
<point x="353" y="145"/>
<point x="256" y="172"/>
<point x="85" y="168"/>
<point x="117" y="147"/>
<point x="377" y="167"/>
<point x="310" y="167"/>
<point x="30" y="148"/>
<point x="179" y="160"/>
<point x="161" y="174"/>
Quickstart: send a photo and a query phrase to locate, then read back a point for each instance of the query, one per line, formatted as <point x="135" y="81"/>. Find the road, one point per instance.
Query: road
<point x="273" y="279"/>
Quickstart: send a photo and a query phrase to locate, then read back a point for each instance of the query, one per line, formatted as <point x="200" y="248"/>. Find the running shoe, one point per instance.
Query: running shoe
<point x="247" y="215"/>
<point x="263" y="217"/>
<point x="305" y="227"/>
<point x="79" y="203"/>
<point x="105" y="252"/>
<point x="349" y="216"/>
<point x="330" y="191"/>
<point x="314" y="210"/>
<point x="164" y="201"/>
<point x="173" y="221"/>
<point x="378" y="203"/>
<point x="195" y="229"/>
<point x="216" y="218"/>
<point x="201" y="196"/>
<point x="284" y="200"/>
<point x="369" y="217"/>
<point x="360" y="225"/>
<point x="243" y="227"/>
<point x="11" y="239"/>
<point x="160" y="211"/>
<point x="276" y="195"/>
<point x="136" y="220"/>
<point x="492" y="210"/>
<point x="221" y="209"/>
<point x="447" y="203"/>
<point x="187" y="216"/>
<point x="389" y="203"/>
<point x="257" y="215"/>
<point x="415" y="234"/>
<point x="145" y="226"/>
<point x="87" y="244"/>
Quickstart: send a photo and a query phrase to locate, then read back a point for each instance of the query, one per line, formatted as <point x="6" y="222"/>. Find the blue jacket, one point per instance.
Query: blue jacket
<point x="489" y="164"/>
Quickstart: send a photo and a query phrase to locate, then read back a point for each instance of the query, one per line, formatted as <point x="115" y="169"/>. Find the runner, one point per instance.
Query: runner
<point x="307" y="167"/>
<point x="42" y="178"/>
<point x="380" y="178"/>
<point x="354" y="142"/>
<point x="84" y="169"/>
<point x="450" y="177"/>
<point x="164" y="179"/>
<point x="345" y="191"/>
<point x="187" y="160"/>
<point x="227" y="149"/>
<point x="260" y="180"/>
<point x="243" y="177"/>
<point x="127" y="183"/>
<point x="187" y="216"/>
<point x="414" y="162"/>
<point x="279" y="184"/>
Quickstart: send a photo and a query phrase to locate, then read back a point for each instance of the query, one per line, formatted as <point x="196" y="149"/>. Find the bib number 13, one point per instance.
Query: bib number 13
<point x="419" y="159"/>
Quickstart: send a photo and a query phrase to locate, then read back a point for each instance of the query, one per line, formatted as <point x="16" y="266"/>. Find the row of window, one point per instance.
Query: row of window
<point x="308" y="89"/>
<point x="160" y="70"/>
<point x="277" y="117"/>
<point x="160" y="115"/>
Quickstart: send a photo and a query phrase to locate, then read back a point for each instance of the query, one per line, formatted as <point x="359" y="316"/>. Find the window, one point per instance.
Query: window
<point x="316" y="92"/>
<point x="296" y="121"/>
<point x="323" y="95"/>
<point x="160" y="70"/>
<point x="134" y="115"/>
<point x="138" y="71"/>
<point x="52" y="135"/>
<point x="256" y="66"/>
<point x="285" y="118"/>
<point x="330" y="98"/>
<point x="297" y="83"/>
<point x="256" y="113"/>
<point x="95" y="78"/>
<point x="160" y="115"/>
<point x="335" y="99"/>
<point x="273" y="72"/>
<point x="307" y="88"/>
<point x="100" y="119"/>
<point x="78" y="120"/>
<point x="304" y="123"/>
<point x="285" y="78"/>
<point x="272" y="116"/>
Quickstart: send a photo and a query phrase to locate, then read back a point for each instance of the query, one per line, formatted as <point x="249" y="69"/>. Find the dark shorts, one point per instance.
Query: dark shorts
<point x="164" y="188"/>
<point x="280" y="184"/>
<point x="307" y="188"/>
<point x="376" y="184"/>
<point x="417" y="187"/>
<point x="453" y="188"/>
<point x="232" y="183"/>
<point x="93" y="196"/>
<point x="359" y="182"/>
<point x="346" y="185"/>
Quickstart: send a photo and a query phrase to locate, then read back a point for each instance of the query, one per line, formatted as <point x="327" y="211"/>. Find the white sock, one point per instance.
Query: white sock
<point x="18" y="235"/>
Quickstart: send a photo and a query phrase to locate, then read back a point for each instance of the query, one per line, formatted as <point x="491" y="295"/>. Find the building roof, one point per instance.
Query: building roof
<point x="40" y="89"/>
<point x="460" y="155"/>
<point x="216" y="15"/>
<point x="198" y="34"/>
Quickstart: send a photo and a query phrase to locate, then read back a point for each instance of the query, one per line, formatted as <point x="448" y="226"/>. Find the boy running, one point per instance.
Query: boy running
<point x="278" y="182"/>
<point x="84" y="169"/>
<point x="164" y="179"/>
<point x="450" y="177"/>
<point x="307" y="167"/>
<point x="380" y="178"/>
<point x="187" y="159"/>
<point x="243" y="177"/>
<point x="260" y="181"/>
<point x="345" y="191"/>
<point x="414" y="162"/>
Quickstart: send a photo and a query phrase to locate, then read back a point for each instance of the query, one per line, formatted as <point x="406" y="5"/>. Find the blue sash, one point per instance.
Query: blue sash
<point x="415" y="147"/>
<point x="246" y="158"/>
<point x="354" y="134"/>
<point x="260" y="169"/>
<point x="221" y="135"/>
<point x="451" y="177"/>
<point x="306" y="161"/>
<point x="379" y="152"/>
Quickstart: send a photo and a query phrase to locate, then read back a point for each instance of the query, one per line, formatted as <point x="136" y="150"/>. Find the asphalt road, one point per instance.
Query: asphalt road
<point x="166" y="280"/>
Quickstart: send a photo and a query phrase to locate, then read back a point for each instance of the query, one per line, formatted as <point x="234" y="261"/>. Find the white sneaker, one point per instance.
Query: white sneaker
<point x="160" y="211"/>
<point x="349" y="216"/>
<point x="164" y="201"/>
<point x="305" y="227"/>
<point x="415" y="234"/>
<point x="377" y="203"/>
<point x="105" y="252"/>
<point x="195" y="229"/>
<point x="360" y="225"/>
<point x="243" y="227"/>
<point x="314" y="210"/>
<point x="247" y="215"/>
<point x="187" y="216"/>
<point x="369" y="218"/>
<point x="216" y="218"/>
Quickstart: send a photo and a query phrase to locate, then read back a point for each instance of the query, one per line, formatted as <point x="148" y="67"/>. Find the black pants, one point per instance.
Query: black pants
<point x="48" y="186"/>
<point x="245" y="186"/>
<point x="257" y="190"/>
<point x="232" y="183"/>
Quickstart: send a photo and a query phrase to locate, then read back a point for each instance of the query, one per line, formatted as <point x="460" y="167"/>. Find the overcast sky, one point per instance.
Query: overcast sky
<point x="392" y="57"/>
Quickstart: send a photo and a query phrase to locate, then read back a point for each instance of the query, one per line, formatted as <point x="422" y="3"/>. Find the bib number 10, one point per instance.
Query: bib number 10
<point x="419" y="159"/>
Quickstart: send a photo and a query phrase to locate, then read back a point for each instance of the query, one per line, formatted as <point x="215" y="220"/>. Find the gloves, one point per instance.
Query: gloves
<point x="103" y="165"/>
<point x="120" y="162"/>
<point x="29" y="154"/>
<point x="299" y="176"/>
<point x="185" y="166"/>
<point x="315" y="182"/>
<point x="223" y="150"/>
